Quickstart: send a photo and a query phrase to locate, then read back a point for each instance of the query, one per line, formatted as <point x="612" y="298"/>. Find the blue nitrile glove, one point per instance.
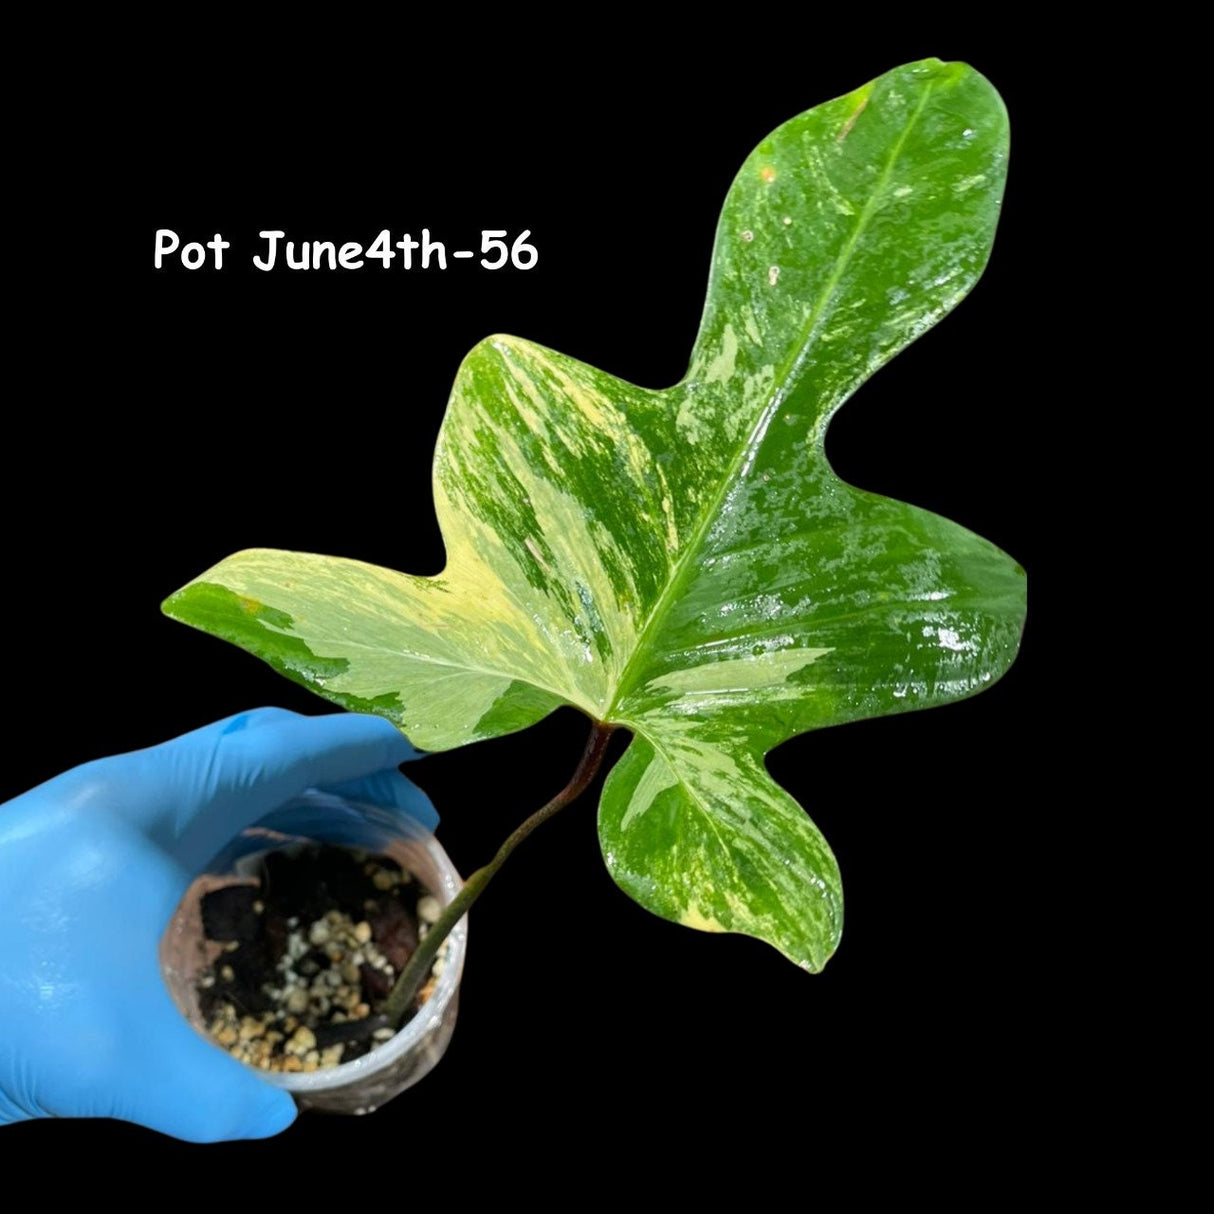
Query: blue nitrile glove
<point x="92" y="866"/>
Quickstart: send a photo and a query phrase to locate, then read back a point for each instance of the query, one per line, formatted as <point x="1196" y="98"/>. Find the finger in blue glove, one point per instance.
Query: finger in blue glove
<point x="92" y="865"/>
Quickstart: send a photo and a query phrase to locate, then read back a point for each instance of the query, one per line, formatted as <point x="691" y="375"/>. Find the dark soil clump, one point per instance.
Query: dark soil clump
<point x="308" y="955"/>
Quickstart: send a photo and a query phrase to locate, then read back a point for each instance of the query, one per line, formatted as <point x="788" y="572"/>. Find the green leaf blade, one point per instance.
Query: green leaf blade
<point x="849" y="232"/>
<point x="696" y="831"/>
<point x="367" y="638"/>
<point x="684" y="562"/>
<point x="860" y="607"/>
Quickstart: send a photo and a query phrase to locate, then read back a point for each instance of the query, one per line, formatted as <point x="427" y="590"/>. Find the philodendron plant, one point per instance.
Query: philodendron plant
<point x="684" y="564"/>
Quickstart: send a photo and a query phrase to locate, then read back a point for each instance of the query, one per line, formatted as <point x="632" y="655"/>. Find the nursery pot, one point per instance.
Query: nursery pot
<point x="364" y="1084"/>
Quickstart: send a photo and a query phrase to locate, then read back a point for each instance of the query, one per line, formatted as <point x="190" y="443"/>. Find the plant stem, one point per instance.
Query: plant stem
<point x="418" y="967"/>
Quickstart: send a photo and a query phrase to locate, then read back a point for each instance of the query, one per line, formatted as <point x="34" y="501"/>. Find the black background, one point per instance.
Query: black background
<point x="217" y="411"/>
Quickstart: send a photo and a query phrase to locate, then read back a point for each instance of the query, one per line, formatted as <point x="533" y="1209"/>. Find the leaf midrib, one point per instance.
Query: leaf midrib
<point x="790" y="368"/>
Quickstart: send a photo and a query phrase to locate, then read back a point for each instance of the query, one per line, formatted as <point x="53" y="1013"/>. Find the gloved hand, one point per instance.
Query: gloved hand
<point x="92" y="866"/>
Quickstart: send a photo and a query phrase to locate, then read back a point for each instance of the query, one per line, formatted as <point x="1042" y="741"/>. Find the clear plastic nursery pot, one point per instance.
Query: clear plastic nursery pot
<point x="364" y="1084"/>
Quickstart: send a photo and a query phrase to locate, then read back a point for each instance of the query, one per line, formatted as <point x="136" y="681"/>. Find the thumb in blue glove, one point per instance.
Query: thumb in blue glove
<point x="92" y="865"/>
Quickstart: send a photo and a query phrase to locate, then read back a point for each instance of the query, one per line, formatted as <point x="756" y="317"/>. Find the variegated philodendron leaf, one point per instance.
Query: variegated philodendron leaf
<point x="685" y="563"/>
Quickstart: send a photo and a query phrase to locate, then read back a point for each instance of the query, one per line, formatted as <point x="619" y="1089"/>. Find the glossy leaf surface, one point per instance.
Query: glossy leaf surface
<point x="684" y="562"/>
